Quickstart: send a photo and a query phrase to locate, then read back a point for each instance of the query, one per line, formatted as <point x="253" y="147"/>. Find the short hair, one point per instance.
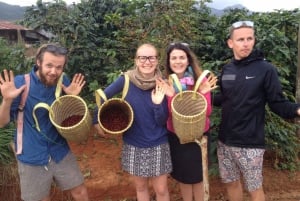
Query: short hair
<point x="53" y="48"/>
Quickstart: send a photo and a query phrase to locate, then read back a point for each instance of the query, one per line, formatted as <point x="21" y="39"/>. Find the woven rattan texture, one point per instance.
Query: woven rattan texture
<point x="188" y="115"/>
<point x="67" y="106"/>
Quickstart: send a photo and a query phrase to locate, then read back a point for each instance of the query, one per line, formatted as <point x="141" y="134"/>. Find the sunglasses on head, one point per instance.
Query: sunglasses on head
<point x="242" y="24"/>
<point x="184" y="44"/>
<point x="56" y="49"/>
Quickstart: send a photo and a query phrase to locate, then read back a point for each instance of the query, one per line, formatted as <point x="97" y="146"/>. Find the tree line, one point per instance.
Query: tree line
<point x="102" y="36"/>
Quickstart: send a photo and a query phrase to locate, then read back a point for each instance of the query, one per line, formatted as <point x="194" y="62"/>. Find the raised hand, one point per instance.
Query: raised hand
<point x="76" y="85"/>
<point x="7" y="86"/>
<point x="209" y="84"/>
<point x="169" y="89"/>
<point x="158" y="93"/>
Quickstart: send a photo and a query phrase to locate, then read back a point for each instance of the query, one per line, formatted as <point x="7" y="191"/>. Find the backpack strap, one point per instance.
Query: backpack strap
<point x="20" y="118"/>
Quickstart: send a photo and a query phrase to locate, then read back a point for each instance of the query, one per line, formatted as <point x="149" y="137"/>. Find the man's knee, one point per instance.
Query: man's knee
<point x="80" y="193"/>
<point x="257" y="195"/>
<point x="234" y="184"/>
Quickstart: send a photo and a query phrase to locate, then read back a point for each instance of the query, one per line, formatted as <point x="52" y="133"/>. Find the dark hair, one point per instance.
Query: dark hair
<point x="192" y="59"/>
<point x="53" y="48"/>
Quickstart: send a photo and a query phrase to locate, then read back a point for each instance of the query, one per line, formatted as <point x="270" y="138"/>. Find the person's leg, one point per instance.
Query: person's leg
<point x="186" y="191"/>
<point x="229" y="171"/>
<point x="234" y="191"/>
<point x="35" y="182"/>
<point x="198" y="191"/>
<point x="79" y="193"/>
<point x="46" y="199"/>
<point x="257" y="195"/>
<point x="68" y="176"/>
<point x="160" y="185"/>
<point x="251" y="168"/>
<point x="142" y="188"/>
<point x="192" y="192"/>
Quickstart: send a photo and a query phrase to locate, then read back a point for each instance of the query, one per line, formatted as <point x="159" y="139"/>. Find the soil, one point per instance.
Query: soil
<point x="99" y="160"/>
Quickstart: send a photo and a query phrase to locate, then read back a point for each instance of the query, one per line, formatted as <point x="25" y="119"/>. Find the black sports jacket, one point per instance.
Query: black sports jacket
<point x="246" y="86"/>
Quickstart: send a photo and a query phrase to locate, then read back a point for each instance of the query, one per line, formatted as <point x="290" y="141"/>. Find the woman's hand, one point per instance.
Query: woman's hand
<point x="168" y="87"/>
<point x="158" y="93"/>
<point x="76" y="85"/>
<point x="209" y="84"/>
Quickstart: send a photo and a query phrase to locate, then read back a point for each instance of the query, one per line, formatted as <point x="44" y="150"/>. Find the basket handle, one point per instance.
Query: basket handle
<point x="200" y="79"/>
<point x="45" y="105"/>
<point x="126" y="86"/>
<point x="100" y="93"/>
<point x="197" y="84"/>
<point x="173" y="77"/>
<point x="58" y="86"/>
<point x="41" y="105"/>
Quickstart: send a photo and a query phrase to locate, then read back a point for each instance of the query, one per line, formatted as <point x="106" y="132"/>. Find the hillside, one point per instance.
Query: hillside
<point x="10" y="12"/>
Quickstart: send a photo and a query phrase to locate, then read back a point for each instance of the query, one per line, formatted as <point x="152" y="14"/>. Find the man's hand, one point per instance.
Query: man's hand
<point x="76" y="85"/>
<point x="7" y="86"/>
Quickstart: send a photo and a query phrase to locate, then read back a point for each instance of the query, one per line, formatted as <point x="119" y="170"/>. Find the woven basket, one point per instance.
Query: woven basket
<point x="71" y="117"/>
<point x="69" y="114"/>
<point x="115" y="115"/>
<point x="189" y="111"/>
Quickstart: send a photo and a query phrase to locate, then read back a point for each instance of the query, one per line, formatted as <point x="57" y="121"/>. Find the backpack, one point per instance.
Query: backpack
<point x="20" y="117"/>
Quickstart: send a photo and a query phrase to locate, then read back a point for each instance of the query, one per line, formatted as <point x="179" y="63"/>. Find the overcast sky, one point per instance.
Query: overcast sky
<point x="258" y="5"/>
<point x="253" y="5"/>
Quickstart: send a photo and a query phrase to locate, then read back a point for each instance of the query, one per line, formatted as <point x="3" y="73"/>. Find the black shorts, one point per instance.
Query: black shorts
<point x="186" y="161"/>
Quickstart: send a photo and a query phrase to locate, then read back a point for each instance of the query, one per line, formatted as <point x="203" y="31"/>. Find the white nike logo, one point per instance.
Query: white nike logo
<point x="249" y="77"/>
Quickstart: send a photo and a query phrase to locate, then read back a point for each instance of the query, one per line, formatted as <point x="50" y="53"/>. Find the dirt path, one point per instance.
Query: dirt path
<point x="100" y="161"/>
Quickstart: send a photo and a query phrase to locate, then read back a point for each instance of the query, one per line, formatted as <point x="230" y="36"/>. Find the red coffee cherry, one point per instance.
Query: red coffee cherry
<point x="114" y="119"/>
<point x="71" y="120"/>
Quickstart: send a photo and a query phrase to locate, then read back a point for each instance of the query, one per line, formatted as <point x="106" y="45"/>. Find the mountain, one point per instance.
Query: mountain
<point x="11" y="13"/>
<point x="218" y="12"/>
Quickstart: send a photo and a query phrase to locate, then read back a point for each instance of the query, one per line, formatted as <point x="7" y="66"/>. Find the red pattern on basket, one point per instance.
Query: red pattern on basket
<point x="71" y="120"/>
<point x="114" y="119"/>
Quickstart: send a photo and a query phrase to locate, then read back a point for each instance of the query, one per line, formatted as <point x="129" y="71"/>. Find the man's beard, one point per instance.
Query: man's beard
<point x="46" y="82"/>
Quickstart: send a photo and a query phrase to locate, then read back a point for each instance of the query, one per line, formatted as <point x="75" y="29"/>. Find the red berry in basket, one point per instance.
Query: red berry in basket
<point x="114" y="119"/>
<point x="71" y="120"/>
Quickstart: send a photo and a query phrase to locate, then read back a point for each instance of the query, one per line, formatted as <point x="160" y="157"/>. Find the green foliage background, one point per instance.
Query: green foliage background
<point x="102" y="36"/>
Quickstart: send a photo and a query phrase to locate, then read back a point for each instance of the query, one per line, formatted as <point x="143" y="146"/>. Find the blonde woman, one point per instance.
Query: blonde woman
<point x="145" y="153"/>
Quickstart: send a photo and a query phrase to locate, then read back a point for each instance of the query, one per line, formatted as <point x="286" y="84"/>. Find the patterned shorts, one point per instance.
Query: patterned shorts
<point x="146" y="162"/>
<point x="236" y="160"/>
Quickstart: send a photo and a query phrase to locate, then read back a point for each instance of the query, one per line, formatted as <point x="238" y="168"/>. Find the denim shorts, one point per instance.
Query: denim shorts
<point x="234" y="161"/>
<point x="35" y="181"/>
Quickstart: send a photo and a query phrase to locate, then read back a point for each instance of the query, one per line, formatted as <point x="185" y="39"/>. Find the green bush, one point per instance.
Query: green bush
<point x="6" y="138"/>
<point x="12" y="56"/>
<point x="102" y="36"/>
